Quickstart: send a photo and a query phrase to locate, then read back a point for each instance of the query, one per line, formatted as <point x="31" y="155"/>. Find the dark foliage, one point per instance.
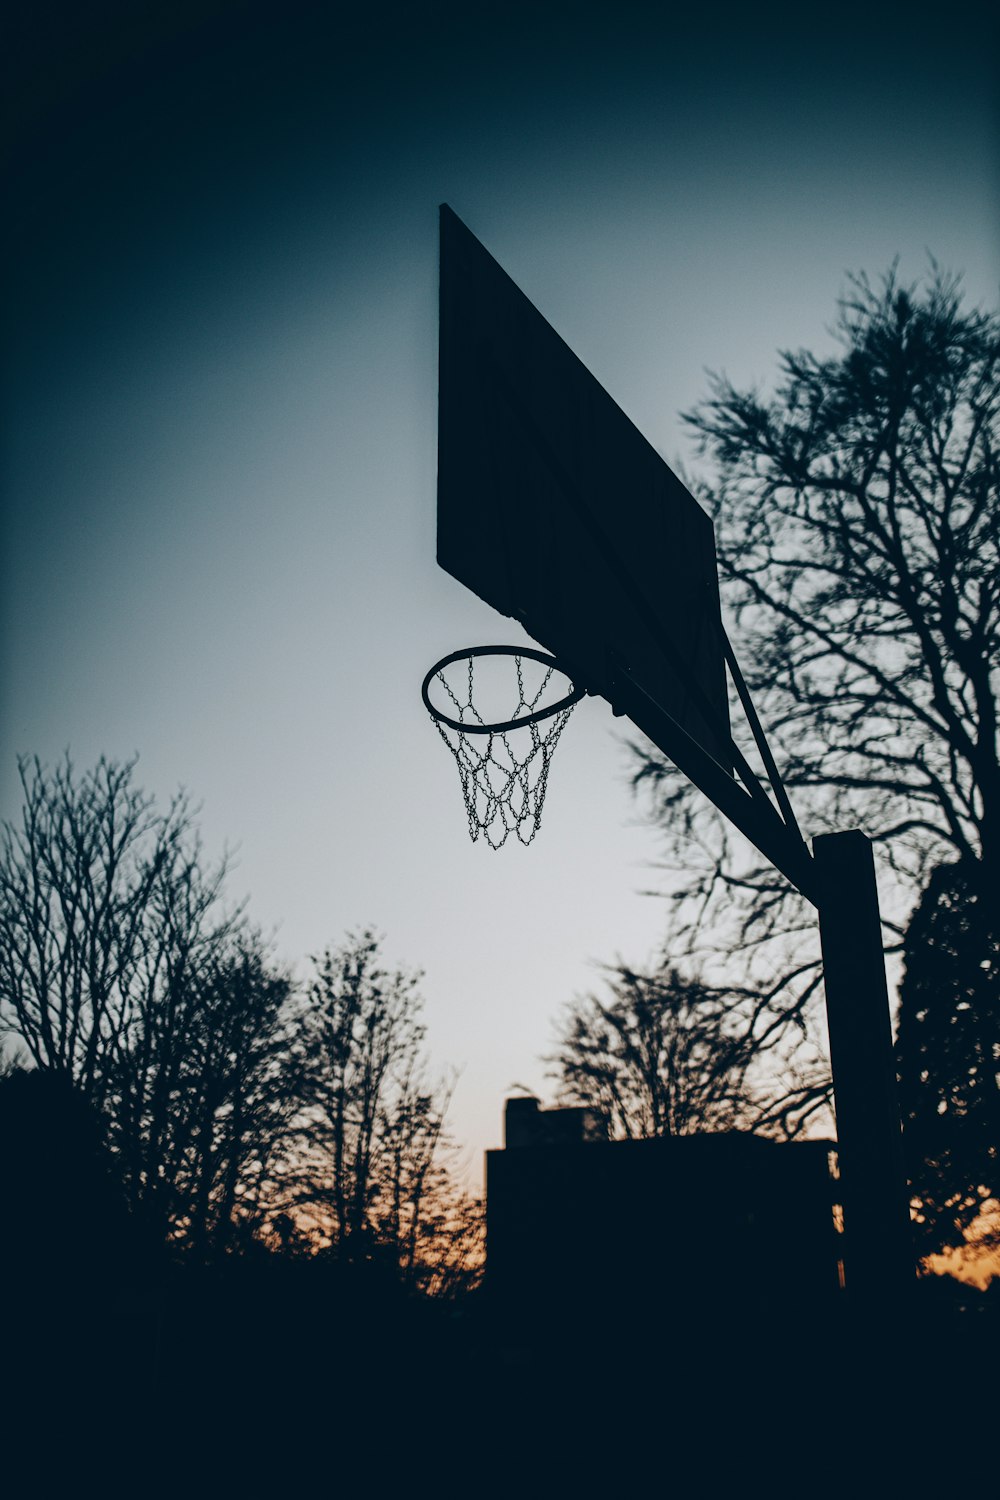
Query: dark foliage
<point x="948" y="1057"/>
<point x="66" y="1230"/>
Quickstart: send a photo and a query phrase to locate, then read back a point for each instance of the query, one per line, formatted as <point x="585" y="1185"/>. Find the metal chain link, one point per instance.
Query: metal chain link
<point x="503" y="790"/>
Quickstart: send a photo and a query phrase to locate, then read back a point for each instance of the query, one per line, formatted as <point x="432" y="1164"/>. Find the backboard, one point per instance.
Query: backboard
<point x="555" y="510"/>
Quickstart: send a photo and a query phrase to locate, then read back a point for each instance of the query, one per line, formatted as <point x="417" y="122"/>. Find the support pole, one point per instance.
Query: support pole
<point x="879" y="1264"/>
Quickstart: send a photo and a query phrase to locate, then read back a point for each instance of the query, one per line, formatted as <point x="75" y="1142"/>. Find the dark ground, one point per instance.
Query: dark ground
<point x="265" y="1374"/>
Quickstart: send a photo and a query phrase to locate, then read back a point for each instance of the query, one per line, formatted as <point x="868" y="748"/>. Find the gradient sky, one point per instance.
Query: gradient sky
<point x="220" y="401"/>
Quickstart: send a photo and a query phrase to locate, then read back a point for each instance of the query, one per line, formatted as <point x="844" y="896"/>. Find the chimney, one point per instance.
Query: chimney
<point x="520" y="1122"/>
<point x="526" y="1124"/>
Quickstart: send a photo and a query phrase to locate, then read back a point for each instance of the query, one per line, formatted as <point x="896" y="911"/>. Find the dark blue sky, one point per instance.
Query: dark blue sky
<point x="220" y="402"/>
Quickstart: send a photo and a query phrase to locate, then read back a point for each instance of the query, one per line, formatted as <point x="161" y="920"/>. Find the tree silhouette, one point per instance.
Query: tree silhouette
<point x="664" y="1057"/>
<point x="948" y="1058"/>
<point x="859" y="553"/>
<point x="121" y="971"/>
<point x="203" y="1097"/>
<point x="370" y="1165"/>
<point x="78" y="878"/>
<point x="234" y="1105"/>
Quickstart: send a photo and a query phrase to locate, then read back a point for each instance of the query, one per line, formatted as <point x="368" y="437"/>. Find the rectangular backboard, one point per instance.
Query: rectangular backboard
<point x="555" y="510"/>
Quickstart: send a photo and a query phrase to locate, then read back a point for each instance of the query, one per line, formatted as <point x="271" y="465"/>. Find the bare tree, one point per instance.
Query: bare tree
<point x="859" y="551"/>
<point x="204" y="1096"/>
<point x="77" y="879"/>
<point x="371" y="1163"/>
<point x="665" y="1056"/>
<point x="121" y="970"/>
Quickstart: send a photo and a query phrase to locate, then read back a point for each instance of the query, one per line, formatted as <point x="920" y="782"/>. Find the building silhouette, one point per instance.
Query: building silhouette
<point x="598" y="1239"/>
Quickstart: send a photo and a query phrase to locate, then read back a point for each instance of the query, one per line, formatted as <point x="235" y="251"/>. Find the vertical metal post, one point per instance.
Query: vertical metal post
<point x="878" y="1258"/>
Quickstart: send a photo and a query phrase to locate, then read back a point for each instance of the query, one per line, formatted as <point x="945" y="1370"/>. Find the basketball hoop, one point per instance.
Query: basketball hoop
<point x="502" y="751"/>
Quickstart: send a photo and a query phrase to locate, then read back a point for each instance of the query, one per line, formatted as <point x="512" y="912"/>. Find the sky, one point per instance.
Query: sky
<point x="220" y="408"/>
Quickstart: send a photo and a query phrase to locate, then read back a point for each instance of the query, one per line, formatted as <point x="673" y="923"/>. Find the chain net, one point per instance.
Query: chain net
<point x="504" y="773"/>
